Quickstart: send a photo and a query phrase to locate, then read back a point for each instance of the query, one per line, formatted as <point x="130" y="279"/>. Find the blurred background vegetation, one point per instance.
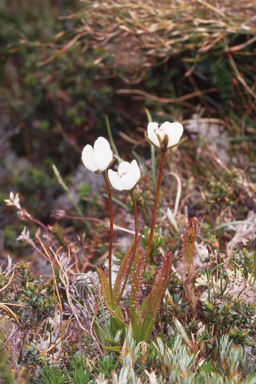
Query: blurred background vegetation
<point x="64" y="65"/>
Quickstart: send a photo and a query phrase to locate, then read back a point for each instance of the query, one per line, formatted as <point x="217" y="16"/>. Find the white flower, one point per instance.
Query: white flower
<point x="98" y="158"/>
<point x="165" y="136"/>
<point x="127" y="176"/>
<point x="14" y="200"/>
<point x="24" y="236"/>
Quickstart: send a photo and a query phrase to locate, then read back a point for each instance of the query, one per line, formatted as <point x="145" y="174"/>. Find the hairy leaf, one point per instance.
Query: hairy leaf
<point x="190" y="239"/>
<point x="122" y="272"/>
<point x="154" y="298"/>
<point x="116" y="320"/>
<point x="189" y="271"/>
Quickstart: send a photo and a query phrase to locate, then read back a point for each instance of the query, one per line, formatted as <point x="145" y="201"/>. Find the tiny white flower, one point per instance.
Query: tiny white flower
<point x="24" y="236"/>
<point x="166" y="136"/>
<point x="98" y="158"/>
<point x="14" y="200"/>
<point x="127" y="176"/>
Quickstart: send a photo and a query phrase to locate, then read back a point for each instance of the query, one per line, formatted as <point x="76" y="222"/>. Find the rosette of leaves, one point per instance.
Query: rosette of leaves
<point x="142" y="317"/>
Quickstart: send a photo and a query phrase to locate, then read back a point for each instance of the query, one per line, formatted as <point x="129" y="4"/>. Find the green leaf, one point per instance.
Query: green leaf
<point x="122" y="272"/>
<point x="116" y="319"/>
<point x="144" y="304"/>
<point x="117" y="348"/>
<point x="110" y="341"/>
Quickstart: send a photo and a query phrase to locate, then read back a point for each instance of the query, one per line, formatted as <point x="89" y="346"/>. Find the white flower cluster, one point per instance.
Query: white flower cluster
<point x="100" y="157"/>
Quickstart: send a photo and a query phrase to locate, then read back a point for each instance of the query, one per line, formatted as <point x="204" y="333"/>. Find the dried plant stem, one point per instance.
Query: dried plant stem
<point x="111" y="231"/>
<point x="158" y="186"/>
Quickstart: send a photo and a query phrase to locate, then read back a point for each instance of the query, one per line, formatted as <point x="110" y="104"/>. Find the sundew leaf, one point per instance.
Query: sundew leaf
<point x="116" y="348"/>
<point x="122" y="272"/>
<point x="135" y="312"/>
<point x="116" y="320"/>
<point x="144" y="304"/>
<point x="153" y="300"/>
<point x="110" y="341"/>
<point x="190" y="239"/>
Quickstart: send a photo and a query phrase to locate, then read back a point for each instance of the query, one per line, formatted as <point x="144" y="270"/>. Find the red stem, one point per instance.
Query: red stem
<point x="111" y="231"/>
<point x="135" y="218"/>
<point x="135" y="240"/>
<point x="158" y="186"/>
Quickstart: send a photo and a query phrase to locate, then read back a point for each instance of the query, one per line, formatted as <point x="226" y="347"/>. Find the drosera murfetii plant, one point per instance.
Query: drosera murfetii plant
<point x="142" y="318"/>
<point x="200" y="325"/>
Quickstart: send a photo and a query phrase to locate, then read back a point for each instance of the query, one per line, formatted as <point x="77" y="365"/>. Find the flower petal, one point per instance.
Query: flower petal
<point x="174" y="132"/>
<point x="135" y="170"/>
<point x="100" y="160"/>
<point x="127" y="182"/>
<point x="127" y="176"/>
<point x="103" y="145"/>
<point x="151" y="132"/>
<point x="114" y="180"/>
<point x="87" y="158"/>
<point x="124" y="167"/>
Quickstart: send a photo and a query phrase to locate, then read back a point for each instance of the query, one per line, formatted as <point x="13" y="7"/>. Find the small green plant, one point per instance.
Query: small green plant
<point x="53" y="375"/>
<point x="6" y="373"/>
<point x="158" y="241"/>
<point x="79" y="374"/>
<point x="107" y="365"/>
<point x="234" y="318"/>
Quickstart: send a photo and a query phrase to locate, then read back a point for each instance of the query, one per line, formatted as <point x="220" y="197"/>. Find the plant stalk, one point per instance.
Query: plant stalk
<point x="135" y="240"/>
<point x="111" y="231"/>
<point x="158" y="186"/>
<point x="135" y="218"/>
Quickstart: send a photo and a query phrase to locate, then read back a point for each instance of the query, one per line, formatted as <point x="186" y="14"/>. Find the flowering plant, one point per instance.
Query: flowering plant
<point x="134" y="263"/>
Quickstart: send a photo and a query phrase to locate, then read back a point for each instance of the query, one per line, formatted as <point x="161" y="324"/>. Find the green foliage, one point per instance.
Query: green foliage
<point x="223" y="192"/>
<point x="158" y="241"/>
<point x="83" y="190"/>
<point x="6" y="373"/>
<point x="53" y="375"/>
<point x="142" y="317"/>
<point x="245" y="260"/>
<point x="220" y="194"/>
<point x="78" y="375"/>
<point x="31" y="355"/>
<point x="234" y="318"/>
<point x="57" y="232"/>
<point x="33" y="297"/>
<point x="171" y="357"/>
<point x="107" y="365"/>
